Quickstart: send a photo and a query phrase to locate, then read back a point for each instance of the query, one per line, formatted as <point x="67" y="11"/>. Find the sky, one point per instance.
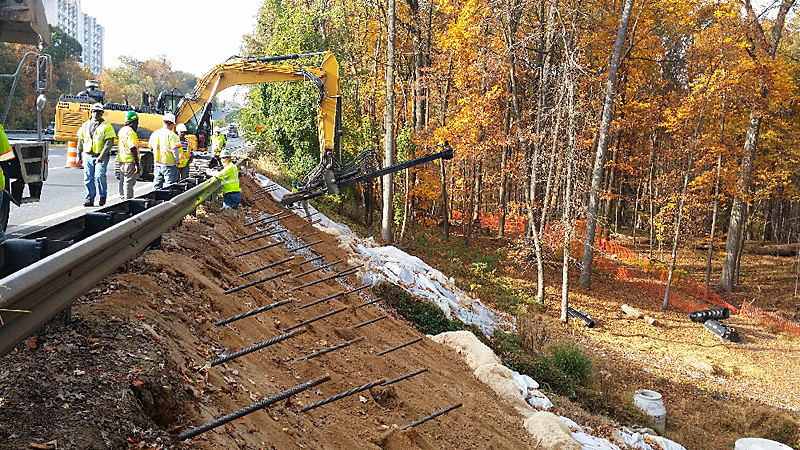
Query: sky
<point x="194" y="35"/>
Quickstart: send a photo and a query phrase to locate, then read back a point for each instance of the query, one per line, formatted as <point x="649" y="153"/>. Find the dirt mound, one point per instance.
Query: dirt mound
<point x="141" y="349"/>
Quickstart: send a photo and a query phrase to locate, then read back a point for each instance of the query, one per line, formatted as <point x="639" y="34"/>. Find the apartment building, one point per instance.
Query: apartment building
<point x="67" y="15"/>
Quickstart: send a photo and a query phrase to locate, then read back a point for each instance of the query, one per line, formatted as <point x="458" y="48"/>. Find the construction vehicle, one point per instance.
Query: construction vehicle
<point x="194" y="109"/>
<point x="24" y="22"/>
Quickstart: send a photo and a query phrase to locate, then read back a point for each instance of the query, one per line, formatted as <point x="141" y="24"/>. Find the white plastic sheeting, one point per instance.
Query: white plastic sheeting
<point x="529" y="389"/>
<point x="418" y="278"/>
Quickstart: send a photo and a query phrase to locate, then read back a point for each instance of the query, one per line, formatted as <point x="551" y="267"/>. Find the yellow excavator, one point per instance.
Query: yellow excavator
<point x="194" y="109"/>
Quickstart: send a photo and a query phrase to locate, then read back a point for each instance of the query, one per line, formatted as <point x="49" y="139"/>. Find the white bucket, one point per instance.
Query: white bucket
<point x="651" y="404"/>
<point x="759" y="444"/>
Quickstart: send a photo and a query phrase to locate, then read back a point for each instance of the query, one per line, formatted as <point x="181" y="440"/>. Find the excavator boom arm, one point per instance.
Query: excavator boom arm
<point x="254" y="71"/>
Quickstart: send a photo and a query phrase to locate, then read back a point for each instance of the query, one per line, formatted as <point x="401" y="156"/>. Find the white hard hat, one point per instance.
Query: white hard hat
<point x="98" y="107"/>
<point x="225" y="154"/>
<point x="169" y="117"/>
<point x="181" y="128"/>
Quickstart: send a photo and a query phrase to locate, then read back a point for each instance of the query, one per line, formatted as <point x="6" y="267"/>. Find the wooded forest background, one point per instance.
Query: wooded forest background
<point x="666" y="120"/>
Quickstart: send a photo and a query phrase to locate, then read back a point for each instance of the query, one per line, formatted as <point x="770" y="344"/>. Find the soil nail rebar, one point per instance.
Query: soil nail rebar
<point x="398" y="347"/>
<point x="276" y="243"/>
<point x="329" y="349"/>
<point x="316" y="269"/>
<point x="334" y="296"/>
<point x="404" y="377"/>
<point x="272" y="219"/>
<point x="314" y="319"/>
<point x="344" y="394"/>
<point x="432" y="416"/>
<point x="253" y="283"/>
<point x="268" y="233"/>
<point x="363" y="324"/>
<point x="340" y="274"/>
<point x="276" y="263"/>
<point x="264" y="218"/>
<point x="367" y="303"/>
<point x="252" y="312"/>
<point x="259" y="346"/>
<point x="254" y="407"/>
<point x="312" y="259"/>
<point x="310" y="244"/>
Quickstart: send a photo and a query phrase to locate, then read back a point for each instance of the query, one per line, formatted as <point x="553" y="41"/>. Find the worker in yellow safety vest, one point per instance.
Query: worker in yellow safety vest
<point x="6" y="154"/>
<point x="128" y="155"/>
<point x="231" y="194"/>
<point x="167" y="148"/>
<point x="95" y="139"/>
<point x="188" y="146"/>
<point x="218" y="143"/>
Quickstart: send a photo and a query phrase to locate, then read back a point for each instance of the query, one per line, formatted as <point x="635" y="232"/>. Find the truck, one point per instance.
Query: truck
<point x="24" y="22"/>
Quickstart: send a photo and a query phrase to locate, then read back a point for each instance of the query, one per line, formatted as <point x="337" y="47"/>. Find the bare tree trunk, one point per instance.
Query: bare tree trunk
<point x="738" y="210"/>
<point x="713" y="227"/>
<point x="406" y="206"/>
<point x="445" y="211"/>
<point x="388" y="123"/>
<point x="636" y="212"/>
<point x="602" y="146"/>
<point x="468" y="213"/>
<point x="501" y="221"/>
<point x="684" y="191"/>
<point x="566" y="217"/>
<point x="650" y="195"/>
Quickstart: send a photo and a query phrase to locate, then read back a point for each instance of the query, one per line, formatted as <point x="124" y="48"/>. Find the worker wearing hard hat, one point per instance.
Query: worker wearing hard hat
<point x="128" y="155"/>
<point x="188" y="145"/>
<point x="6" y="153"/>
<point x="231" y="194"/>
<point x="95" y="139"/>
<point x="167" y="148"/>
<point x="218" y="143"/>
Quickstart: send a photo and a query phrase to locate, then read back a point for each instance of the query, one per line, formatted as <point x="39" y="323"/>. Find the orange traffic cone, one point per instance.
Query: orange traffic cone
<point x="72" y="155"/>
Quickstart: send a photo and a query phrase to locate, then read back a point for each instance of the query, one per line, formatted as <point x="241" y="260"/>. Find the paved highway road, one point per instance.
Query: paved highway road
<point x="63" y="194"/>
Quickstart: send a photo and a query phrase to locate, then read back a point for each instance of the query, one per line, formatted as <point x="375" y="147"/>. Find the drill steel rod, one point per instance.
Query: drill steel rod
<point x="432" y="416"/>
<point x="259" y="248"/>
<point x="276" y="263"/>
<point x="264" y="218"/>
<point x="253" y="283"/>
<point x="398" y="347"/>
<point x="333" y="296"/>
<point x="259" y="346"/>
<point x="340" y="274"/>
<point x="329" y="349"/>
<point x="269" y="219"/>
<point x="252" y="312"/>
<point x="316" y="269"/>
<point x="268" y="233"/>
<point x="264" y="233"/>
<point x="363" y="324"/>
<point x="344" y="394"/>
<point x="254" y="407"/>
<point x="367" y="303"/>
<point x="314" y="319"/>
<point x="312" y="259"/>
<point x="310" y="244"/>
<point x="404" y="377"/>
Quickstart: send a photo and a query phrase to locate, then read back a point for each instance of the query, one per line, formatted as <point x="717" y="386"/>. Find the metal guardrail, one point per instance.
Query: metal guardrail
<point x="50" y="285"/>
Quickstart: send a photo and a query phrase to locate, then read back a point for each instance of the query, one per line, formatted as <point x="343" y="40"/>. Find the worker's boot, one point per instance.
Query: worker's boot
<point x="88" y="203"/>
<point x="102" y="201"/>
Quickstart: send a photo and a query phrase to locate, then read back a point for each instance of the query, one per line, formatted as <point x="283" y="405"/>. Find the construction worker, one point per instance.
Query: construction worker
<point x="128" y="155"/>
<point x="188" y="145"/>
<point x="95" y="139"/>
<point x="231" y="194"/>
<point x="218" y="142"/>
<point x="167" y="148"/>
<point x="5" y="201"/>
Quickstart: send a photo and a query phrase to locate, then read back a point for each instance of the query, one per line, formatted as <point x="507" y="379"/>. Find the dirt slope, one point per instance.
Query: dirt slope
<point x="133" y="371"/>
